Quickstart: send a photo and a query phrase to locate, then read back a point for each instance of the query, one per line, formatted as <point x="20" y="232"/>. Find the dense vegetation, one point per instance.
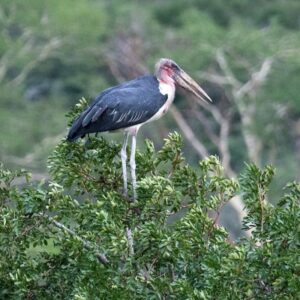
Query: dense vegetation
<point x="79" y="238"/>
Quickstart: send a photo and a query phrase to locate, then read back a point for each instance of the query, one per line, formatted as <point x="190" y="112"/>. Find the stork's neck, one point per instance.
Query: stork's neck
<point x="164" y="77"/>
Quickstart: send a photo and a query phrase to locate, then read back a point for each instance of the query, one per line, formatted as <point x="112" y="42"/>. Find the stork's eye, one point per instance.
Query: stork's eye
<point x="175" y="67"/>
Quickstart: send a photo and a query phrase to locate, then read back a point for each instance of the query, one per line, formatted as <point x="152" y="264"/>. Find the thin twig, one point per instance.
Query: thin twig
<point x="224" y="66"/>
<point x="86" y="244"/>
<point x="257" y="79"/>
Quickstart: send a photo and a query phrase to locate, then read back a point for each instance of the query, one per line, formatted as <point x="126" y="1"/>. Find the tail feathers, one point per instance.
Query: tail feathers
<point x="82" y="125"/>
<point x="75" y="130"/>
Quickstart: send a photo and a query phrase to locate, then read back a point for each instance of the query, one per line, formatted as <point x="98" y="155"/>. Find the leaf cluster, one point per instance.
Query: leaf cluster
<point x="69" y="238"/>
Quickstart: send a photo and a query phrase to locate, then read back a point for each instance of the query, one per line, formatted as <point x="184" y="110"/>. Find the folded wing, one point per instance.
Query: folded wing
<point x="128" y="104"/>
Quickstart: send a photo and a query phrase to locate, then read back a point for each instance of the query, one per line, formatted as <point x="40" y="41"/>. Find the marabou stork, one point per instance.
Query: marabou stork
<point x="131" y="104"/>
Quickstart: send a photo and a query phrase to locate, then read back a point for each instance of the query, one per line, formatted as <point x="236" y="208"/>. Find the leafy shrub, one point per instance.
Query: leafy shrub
<point x="78" y="237"/>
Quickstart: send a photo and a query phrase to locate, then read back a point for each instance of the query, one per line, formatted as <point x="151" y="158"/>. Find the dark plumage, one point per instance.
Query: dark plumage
<point x="133" y="102"/>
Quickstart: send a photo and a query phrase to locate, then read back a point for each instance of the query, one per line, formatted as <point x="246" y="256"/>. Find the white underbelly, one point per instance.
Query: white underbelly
<point x="165" y="89"/>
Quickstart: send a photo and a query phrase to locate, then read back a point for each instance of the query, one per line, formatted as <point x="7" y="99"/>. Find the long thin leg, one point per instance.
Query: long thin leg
<point x="133" y="167"/>
<point x="123" y="159"/>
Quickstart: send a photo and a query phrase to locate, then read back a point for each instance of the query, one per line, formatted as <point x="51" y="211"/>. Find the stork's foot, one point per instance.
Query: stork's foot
<point x="131" y="198"/>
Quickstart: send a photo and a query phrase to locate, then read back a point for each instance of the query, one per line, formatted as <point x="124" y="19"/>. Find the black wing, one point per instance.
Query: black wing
<point x="125" y="105"/>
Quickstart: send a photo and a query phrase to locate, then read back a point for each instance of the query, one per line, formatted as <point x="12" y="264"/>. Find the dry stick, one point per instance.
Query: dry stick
<point x="239" y="91"/>
<point x="207" y="126"/>
<point x="86" y="244"/>
<point x="189" y="133"/>
<point x="221" y="140"/>
<point x="246" y="108"/>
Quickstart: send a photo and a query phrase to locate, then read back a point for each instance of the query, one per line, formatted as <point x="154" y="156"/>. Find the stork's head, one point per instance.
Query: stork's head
<point x="168" y="71"/>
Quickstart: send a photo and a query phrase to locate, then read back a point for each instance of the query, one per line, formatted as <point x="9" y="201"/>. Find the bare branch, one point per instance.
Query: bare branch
<point x="241" y="93"/>
<point x="257" y="79"/>
<point x="223" y="64"/>
<point x="188" y="132"/>
<point x="214" y="78"/>
<point x="215" y="112"/>
<point x="206" y="125"/>
<point x="86" y="244"/>
<point x="224" y="148"/>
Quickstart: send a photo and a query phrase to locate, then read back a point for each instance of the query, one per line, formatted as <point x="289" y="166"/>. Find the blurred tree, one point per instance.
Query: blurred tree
<point x="52" y="55"/>
<point x="44" y="54"/>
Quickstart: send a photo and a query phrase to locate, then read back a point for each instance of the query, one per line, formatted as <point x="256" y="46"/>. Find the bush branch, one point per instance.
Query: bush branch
<point x="86" y="244"/>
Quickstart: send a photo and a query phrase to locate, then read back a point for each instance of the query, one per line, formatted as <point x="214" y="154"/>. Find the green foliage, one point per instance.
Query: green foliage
<point x="68" y="239"/>
<point x="46" y="50"/>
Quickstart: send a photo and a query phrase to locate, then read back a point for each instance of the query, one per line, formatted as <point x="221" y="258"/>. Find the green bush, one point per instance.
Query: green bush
<point x="78" y="237"/>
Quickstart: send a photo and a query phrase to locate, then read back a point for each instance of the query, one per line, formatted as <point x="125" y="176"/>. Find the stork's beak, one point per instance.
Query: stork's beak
<point x="188" y="83"/>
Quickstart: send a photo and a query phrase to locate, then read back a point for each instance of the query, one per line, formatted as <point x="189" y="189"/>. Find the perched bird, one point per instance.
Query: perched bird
<point x="131" y="104"/>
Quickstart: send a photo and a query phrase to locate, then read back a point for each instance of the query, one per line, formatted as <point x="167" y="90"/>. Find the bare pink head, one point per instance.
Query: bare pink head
<point x="168" y="71"/>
